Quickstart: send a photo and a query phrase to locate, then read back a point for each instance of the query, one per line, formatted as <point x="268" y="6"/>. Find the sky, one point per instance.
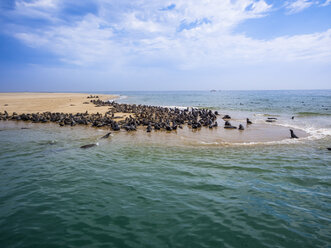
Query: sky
<point x="119" y="45"/>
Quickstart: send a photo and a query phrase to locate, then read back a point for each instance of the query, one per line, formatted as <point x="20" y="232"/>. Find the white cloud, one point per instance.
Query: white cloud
<point x="42" y="9"/>
<point x="82" y="43"/>
<point x="134" y="33"/>
<point x="326" y="3"/>
<point x="298" y="6"/>
<point x="38" y="3"/>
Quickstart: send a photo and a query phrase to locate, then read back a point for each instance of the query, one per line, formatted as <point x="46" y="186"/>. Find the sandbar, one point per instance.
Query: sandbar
<point x="71" y="103"/>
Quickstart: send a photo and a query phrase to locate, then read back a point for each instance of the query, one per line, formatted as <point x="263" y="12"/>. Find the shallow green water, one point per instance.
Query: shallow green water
<point x="126" y="193"/>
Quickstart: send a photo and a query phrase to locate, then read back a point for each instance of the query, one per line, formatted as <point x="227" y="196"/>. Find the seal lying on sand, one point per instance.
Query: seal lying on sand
<point x="228" y="125"/>
<point x="271" y="119"/>
<point x="248" y="121"/>
<point x="293" y="136"/>
<point x="88" y="146"/>
<point x="149" y="128"/>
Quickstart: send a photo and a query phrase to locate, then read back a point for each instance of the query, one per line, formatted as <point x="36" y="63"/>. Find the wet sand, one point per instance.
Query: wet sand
<point x="259" y="134"/>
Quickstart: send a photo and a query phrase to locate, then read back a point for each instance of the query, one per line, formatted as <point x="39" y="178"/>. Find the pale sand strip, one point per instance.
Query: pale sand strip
<point x="51" y="102"/>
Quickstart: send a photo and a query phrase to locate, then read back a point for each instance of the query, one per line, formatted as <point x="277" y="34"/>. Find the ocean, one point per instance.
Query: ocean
<point x="139" y="190"/>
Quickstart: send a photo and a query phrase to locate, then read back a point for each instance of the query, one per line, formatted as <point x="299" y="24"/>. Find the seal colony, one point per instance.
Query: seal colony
<point x="140" y="122"/>
<point x="151" y="117"/>
<point x="130" y="117"/>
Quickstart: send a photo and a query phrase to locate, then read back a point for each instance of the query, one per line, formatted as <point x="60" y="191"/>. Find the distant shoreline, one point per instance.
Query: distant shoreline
<point x="116" y="91"/>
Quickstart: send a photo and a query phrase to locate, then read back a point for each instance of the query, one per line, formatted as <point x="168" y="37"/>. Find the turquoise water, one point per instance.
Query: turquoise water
<point x="128" y="192"/>
<point x="294" y="102"/>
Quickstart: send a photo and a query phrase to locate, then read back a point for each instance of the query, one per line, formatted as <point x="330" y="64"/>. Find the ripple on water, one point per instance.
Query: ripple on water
<point x="124" y="194"/>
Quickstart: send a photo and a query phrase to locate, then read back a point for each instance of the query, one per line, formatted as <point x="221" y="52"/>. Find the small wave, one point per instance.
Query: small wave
<point x="209" y="143"/>
<point x="207" y="107"/>
<point x="312" y="114"/>
<point x="270" y="115"/>
<point x="279" y="142"/>
<point x="175" y="107"/>
<point x="118" y="97"/>
<point x="47" y="142"/>
<point x="313" y="132"/>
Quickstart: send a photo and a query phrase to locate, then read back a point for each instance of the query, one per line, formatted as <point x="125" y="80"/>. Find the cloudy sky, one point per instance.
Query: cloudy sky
<point x="105" y="45"/>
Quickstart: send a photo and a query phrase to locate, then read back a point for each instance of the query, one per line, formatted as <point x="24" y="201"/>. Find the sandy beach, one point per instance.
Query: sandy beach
<point x="51" y="102"/>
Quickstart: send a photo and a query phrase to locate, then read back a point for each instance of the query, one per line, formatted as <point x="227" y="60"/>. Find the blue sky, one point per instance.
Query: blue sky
<point x="105" y="45"/>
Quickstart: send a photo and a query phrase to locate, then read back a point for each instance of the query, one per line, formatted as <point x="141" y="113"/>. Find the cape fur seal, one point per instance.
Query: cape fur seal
<point x="88" y="146"/>
<point x="106" y="136"/>
<point x="293" y="136"/>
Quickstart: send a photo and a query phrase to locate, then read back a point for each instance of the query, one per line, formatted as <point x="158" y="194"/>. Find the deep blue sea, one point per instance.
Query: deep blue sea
<point x="130" y="191"/>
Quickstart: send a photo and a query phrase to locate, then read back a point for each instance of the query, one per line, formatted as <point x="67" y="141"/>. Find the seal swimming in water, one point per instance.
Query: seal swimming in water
<point x="88" y="146"/>
<point x="106" y="136"/>
<point x="293" y="136"/>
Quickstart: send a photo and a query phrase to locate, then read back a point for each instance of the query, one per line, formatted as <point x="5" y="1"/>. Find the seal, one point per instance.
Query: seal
<point x="241" y="127"/>
<point x="293" y="136"/>
<point x="88" y="146"/>
<point x="248" y="121"/>
<point x="228" y="125"/>
<point x="168" y="128"/>
<point x="106" y="136"/>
